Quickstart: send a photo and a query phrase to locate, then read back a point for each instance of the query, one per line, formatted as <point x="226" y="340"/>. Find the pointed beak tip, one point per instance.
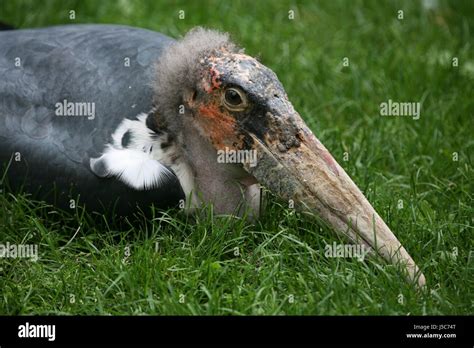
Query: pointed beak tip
<point x="309" y="175"/>
<point x="418" y="278"/>
<point x="422" y="281"/>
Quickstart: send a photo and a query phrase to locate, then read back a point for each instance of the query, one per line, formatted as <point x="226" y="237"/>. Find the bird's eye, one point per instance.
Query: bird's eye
<point x="234" y="99"/>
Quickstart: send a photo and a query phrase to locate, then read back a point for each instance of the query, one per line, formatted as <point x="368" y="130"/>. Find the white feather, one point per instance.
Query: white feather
<point x="141" y="164"/>
<point x="135" y="168"/>
<point x="141" y="134"/>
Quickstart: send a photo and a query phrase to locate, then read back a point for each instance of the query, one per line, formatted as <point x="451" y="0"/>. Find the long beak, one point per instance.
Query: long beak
<point x="307" y="174"/>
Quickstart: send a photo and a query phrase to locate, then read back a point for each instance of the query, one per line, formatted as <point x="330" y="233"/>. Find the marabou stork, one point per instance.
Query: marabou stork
<point x="125" y="117"/>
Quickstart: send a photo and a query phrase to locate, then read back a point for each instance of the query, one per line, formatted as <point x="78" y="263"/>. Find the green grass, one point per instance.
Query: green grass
<point x="280" y="267"/>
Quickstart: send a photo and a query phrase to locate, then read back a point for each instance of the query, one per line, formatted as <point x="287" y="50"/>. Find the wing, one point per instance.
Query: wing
<point x="64" y="91"/>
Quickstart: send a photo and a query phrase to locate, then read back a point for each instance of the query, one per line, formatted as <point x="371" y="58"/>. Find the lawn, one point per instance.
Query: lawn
<point x="338" y="60"/>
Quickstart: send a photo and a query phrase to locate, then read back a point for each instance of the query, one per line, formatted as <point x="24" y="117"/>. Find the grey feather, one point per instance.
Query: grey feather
<point x="79" y="63"/>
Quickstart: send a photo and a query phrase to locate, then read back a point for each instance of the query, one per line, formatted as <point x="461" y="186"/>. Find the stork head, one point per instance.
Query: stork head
<point x="238" y="104"/>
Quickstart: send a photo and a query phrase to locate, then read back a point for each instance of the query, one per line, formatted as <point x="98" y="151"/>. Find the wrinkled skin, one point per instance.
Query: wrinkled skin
<point x="292" y="163"/>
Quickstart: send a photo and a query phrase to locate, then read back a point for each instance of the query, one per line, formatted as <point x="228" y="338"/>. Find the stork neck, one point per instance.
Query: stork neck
<point x="219" y="183"/>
